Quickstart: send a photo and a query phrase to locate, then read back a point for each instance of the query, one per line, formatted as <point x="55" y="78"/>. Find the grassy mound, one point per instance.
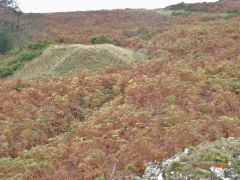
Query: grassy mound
<point x="62" y="59"/>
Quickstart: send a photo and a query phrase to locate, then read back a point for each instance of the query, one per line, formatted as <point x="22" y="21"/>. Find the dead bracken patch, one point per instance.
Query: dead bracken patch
<point x="112" y="121"/>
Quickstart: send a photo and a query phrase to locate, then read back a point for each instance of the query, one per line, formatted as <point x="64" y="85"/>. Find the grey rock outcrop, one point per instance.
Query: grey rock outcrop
<point x="212" y="155"/>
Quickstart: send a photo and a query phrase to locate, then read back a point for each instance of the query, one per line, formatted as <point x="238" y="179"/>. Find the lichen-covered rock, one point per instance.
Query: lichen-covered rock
<point x="219" y="160"/>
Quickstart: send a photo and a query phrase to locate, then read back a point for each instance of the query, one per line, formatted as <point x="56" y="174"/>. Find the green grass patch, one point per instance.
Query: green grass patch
<point x="233" y="11"/>
<point x="234" y="84"/>
<point x="100" y="178"/>
<point x="21" y="86"/>
<point x="213" y="156"/>
<point x="14" y="51"/>
<point x="146" y="35"/>
<point x="18" y="59"/>
<point x="232" y="15"/>
<point x="142" y="31"/>
<point x="175" y="166"/>
<point x="177" y="13"/>
<point x="128" y="167"/>
<point x="182" y="6"/>
<point x="206" y="19"/>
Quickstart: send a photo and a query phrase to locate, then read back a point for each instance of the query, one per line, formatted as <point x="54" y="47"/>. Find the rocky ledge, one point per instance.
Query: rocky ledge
<point x="219" y="160"/>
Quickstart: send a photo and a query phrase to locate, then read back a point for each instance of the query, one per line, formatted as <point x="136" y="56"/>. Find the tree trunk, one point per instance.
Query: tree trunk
<point x="18" y="30"/>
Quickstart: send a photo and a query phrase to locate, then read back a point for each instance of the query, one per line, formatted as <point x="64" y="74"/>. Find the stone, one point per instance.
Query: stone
<point x="218" y="172"/>
<point x="153" y="169"/>
<point x="186" y="151"/>
<point x="191" y="175"/>
<point x="157" y="170"/>
<point x="234" y="176"/>
<point x="230" y="164"/>
<point x="160" y="177"/>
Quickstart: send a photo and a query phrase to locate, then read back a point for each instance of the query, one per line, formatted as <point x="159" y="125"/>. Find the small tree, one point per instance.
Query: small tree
<point x="5" y="42"/>
<point x="14" y="22"/>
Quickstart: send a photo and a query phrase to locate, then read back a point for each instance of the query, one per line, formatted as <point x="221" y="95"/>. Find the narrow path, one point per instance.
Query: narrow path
<point x="59" y="62"/>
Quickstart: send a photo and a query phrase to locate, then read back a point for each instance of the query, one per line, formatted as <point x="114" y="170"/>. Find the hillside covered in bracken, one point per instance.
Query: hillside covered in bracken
<point x="122" y="26"/>
<point x="111" y="124"/>
<point x="215" y="7"/>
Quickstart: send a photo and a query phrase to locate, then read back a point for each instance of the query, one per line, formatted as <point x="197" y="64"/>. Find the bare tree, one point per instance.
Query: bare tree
<point x="13" y="7"/>
<point x="13" y="4"/>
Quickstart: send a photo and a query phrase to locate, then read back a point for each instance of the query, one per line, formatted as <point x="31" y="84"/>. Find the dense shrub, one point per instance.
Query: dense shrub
<point x="13" y="51"/>
<point x="1" y="56"/>
<point x="182" y="6"/>
<point x="116" y="42"/>
<point x="13" y="63"/>
<point x="174" y="13"/>
<point x="38" y="45"/>
<point x="5" y="42"/>
<point x="5" y="71"/>
<point x="152" y="35"/>
<point x="142" y="31"/>
<point x="177" y="7"/>
<point x="230" y="16"/>
<point x="189" y="8"/>
<point x="16" y="66"/>
<point x="28" y="55"/>
<point x="233" y="11"/>
<point x="206" y="19"/>
<point x="100" y="39"/>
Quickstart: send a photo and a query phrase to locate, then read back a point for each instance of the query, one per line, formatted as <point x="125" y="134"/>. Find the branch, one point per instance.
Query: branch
<point x="114" y="167"/>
